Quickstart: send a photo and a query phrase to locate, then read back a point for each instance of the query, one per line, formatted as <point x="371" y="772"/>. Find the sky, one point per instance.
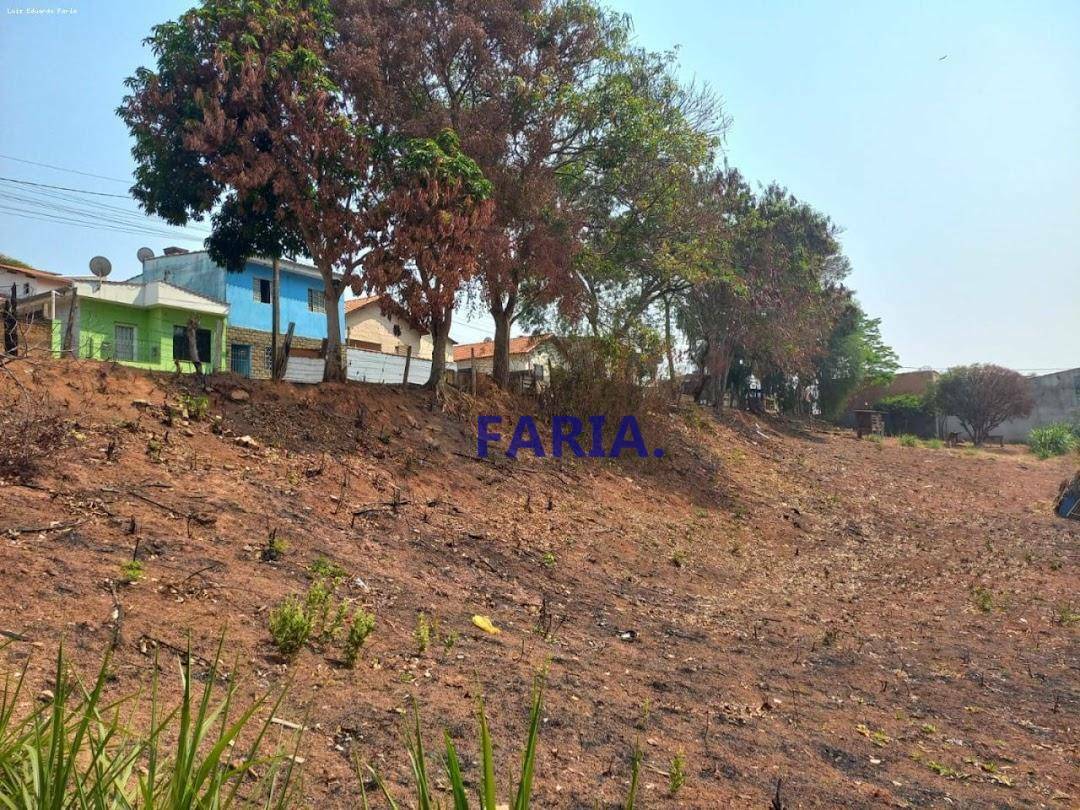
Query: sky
<point x="943" y="138"/>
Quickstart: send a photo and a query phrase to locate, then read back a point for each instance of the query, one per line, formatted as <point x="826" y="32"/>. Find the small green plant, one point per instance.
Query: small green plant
<point x="274" y="549"/>
<point x="1066" y="615"/>
<point x="132" y="571"/>
<point x="359" y="629"/>
<point x="676" y="774"/>
<point x="873" y="437"/>
<point x="290" y="626"/>
<point x="449" y="640"/>
<point x="909" y="440"/>
<point x="982" y="598"/>
<point x="548" y="560"/>
<point x="1052" y="440"/>
<point x="422" y="633"/>
<point x="195" y="405"/>
<point x="933" y="444"/>
<point x="323" y="568"/>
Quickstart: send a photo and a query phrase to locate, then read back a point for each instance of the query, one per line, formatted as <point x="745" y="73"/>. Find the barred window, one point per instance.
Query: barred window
<point x="316" y="300"/>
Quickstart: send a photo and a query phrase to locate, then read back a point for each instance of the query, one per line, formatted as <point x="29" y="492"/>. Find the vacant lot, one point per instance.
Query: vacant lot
<point x="872" y="624"/>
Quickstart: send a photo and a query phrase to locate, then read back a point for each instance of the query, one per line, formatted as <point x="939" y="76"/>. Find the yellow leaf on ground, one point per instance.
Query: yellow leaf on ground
<point x="484" y="623"/>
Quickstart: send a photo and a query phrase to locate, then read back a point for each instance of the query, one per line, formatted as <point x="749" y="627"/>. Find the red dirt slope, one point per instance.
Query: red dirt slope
<point x="877" y="626"/>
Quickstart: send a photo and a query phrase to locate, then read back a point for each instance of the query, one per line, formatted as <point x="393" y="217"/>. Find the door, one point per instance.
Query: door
<point x="240" y="359"/>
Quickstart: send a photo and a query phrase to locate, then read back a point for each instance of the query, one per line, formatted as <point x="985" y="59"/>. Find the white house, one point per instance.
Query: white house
<point x="367" y="327"/>
<point x="29" y="281"/>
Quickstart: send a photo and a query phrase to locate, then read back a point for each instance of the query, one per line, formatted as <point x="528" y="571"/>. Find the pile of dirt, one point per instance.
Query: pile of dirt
<point x="875" y="625"/>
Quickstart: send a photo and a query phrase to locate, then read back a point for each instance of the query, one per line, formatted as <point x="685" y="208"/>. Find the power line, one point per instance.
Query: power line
<point x="62" y="169"/>
<point x="65" y="188"/>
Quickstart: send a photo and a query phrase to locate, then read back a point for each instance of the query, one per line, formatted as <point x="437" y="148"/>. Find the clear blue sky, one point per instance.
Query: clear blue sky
<point x="956" y="180"/>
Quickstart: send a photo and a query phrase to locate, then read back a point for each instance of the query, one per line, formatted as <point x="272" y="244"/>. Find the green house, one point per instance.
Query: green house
<point x="137" y="324"/>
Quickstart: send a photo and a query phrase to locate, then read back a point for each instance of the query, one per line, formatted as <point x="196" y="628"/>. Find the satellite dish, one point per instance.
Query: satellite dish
<point x="144" y="254"/>
<point x="100" y="266"/>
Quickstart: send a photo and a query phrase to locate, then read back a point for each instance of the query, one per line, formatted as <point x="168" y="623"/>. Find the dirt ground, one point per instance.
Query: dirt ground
<point x="874" y="625"/>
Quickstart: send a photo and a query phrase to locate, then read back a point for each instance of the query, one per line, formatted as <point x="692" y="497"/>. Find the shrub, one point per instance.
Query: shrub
<point x="131" y="571"/>
<point x="908" y="440"/>
<point x="676" y="774"/>
<point x="981" y="397"/>
<point x="32" y="429"/>
<point x="422" y="634"/>
<point x="78" y="751"/>
<point x="1052" y="440"/>
<point x="290" y="626"/>
<point x="934" y="444"/>
<point x="359" y="629"/>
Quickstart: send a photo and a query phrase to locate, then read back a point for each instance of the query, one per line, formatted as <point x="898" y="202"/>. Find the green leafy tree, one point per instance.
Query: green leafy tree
<point x="855" y="356"/>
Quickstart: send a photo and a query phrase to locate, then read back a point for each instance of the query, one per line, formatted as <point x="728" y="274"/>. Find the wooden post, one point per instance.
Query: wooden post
<point x="282" y="361"/>
<point x="472" y="371"/>
<point x="275" y="317"/>
<point x="69" y="330"/>
<point x="408" y="362"/>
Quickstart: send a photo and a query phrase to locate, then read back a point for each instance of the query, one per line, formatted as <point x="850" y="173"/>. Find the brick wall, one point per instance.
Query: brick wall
<point x="259" y="342"/>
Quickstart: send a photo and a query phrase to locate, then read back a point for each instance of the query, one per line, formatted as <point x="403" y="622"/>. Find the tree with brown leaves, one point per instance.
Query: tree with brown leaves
<point x="243" y="110"/>
<point x="512" y="79"/>
<point x="981" y="397"/>
<point x="431" y="225"/>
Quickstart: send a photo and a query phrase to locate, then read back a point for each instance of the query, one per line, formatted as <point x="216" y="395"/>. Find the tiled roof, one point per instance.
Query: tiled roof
<point x="34" y="273"/>
<point x="359" y="303"/>
<point x="486" y="348"/>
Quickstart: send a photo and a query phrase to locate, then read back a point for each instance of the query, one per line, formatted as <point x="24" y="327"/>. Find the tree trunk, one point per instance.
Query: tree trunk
<point x="440" y="333"/>
<point x="334" y="369"/>
<point x="193" y="346"/>
<point x="275" y="318"/>
<point x="500" y="361"/>
<point x="670" y="350"/>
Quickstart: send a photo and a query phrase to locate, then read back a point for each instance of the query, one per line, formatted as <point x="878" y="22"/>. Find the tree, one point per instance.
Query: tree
<point x="512" y="79"/>
<point x="645" y="187"/>
<point x="981" y="397"/>
<point x="244" y="102"/>
<point x="855" y="355"/>
<point x="777" y="303"/>
<point x="431" y="224"/>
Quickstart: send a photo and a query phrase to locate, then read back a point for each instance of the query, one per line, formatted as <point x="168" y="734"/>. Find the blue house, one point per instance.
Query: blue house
<point x="248" y="294"/>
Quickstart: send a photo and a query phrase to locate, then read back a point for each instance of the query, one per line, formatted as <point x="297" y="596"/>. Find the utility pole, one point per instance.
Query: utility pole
<point x="275" y="316"/>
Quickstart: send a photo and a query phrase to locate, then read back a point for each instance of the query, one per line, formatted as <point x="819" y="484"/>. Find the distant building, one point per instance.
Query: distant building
<point x="530" y="359"/>
<point x="916" y="383"/>
<point x="369" y="328"/>
<point x="249" y="296"/>
<point x="28" y="281"/>
<point x="134" y="323"/>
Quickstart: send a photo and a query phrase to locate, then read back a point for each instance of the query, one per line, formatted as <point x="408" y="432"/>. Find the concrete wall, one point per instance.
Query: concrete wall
<point x="1057" y="399"/>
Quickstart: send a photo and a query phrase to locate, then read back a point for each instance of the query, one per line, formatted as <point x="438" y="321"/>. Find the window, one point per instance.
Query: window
<point x="203" y="342"/>
<point x="268" y="358"/>
<point x="26" y="288"/>
<point x="538" y="371"/>
<point x="397" y="330"/>
<point x="124" y="337"/>
<point x="262" y="290"/>
<point x="316" y="300"/>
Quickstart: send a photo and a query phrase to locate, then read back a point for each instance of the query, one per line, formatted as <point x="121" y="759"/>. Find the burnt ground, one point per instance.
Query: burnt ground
<point x="877" y="626"/>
